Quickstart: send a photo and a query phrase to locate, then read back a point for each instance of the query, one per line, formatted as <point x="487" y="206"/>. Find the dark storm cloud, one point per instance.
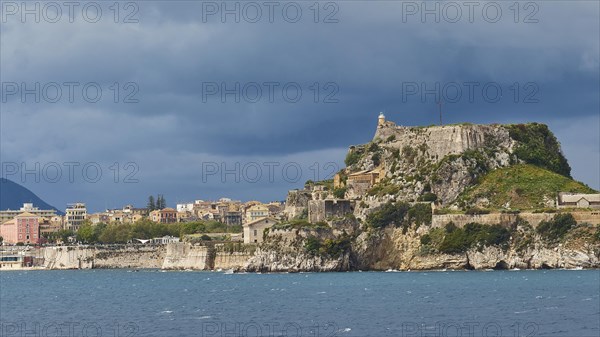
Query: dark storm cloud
<point x="370" y="55"/>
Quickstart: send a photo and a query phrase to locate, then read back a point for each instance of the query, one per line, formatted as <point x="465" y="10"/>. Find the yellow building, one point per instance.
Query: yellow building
<point x="256" y="212"/>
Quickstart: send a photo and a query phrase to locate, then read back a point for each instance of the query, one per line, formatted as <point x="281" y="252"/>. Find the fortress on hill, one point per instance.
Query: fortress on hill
<point x="400" y="149"/>
<point x="437" y="164"/>
<point x="445" y="139"/>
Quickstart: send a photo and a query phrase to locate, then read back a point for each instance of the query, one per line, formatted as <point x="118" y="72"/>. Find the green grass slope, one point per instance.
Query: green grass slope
<point x="523" y="186"/>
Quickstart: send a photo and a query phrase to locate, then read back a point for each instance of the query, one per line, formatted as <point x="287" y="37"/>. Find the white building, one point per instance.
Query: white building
<point x="28" y="207"/>
<point x="164" y="240"/>
<point x="186" y="207"/>
<point x="75" y="215"/>
<point x="578" y="200"/>
<point x="253" y="231"/>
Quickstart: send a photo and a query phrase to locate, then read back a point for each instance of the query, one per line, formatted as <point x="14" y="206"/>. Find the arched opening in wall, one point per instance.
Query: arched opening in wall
<point x="501" y="265"/>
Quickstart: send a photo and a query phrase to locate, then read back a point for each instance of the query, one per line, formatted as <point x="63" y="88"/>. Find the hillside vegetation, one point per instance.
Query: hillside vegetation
<point x="537" y="145"/>
<point x="522" y="186"/>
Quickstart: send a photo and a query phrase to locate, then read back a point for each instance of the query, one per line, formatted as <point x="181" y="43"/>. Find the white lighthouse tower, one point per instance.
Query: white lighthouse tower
<point x="381" y="120"/>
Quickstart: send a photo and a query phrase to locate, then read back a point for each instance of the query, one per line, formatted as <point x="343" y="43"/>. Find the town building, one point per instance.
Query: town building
<point x="129" y="209"/>
<point x="13" y="261"/>
<point x="253" y="231"/>
<point x="27" y="207"/>
<point x="256" y="212"/>
<point x="57" y="220"/>
<point x="186" y="216"/>
<point x="232" y="218"/>
<point x="24" y="228"/>
<point x="75" y="215"/>
<point x="578" y="200"/>
<point x="359" y="183"/>
<point x="185" y="207"/>
<point x="164" y="240"/>
<point x="165" y="215"/>
<point x="49" y="226"/>
<point x="96" y="218"/>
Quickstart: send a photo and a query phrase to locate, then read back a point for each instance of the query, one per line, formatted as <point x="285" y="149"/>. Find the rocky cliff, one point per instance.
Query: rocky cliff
<point x="517" y="245"/>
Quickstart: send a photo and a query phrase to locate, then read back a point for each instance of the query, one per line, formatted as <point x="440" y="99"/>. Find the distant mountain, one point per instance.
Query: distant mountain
<point x="13" y="195"/>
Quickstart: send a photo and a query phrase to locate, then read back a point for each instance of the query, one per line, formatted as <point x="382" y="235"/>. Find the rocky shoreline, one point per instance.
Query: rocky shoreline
<point x="388" y="249"/>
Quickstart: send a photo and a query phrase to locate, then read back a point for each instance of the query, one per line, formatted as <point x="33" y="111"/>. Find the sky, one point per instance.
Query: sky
<point x="108" y="104"/>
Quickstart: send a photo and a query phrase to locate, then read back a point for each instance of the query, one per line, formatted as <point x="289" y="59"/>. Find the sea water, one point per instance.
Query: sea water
<point x="158" y="303"/>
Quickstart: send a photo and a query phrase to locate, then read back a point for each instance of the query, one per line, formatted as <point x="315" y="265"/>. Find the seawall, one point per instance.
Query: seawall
<point x="207" y="257"/>
<point x="98" y="257"/>
<point x="173" y="256"/>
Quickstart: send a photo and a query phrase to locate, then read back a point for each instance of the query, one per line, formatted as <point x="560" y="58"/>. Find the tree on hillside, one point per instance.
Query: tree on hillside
<point x="160" y="202"/>
<point x="151" y="205"/>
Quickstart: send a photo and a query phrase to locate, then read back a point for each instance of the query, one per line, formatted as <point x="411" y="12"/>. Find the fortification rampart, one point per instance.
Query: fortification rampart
<point x="445" y="140"/>
<point x="460" y="220"/>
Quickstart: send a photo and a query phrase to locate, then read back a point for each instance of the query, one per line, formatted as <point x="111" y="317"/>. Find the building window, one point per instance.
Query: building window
<point x="255" y="232"/>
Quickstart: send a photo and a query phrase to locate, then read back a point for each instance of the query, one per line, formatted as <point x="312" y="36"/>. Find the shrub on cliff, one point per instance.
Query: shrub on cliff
<point x="329" y="247"/>
<point x="454" y="241"/>
<point x="352" y="158"/>
<point x="384" y="188"/>
<point x="409" y="153"/>
<point x="428" y="196"/>
<point x="459" y="240"/>
<point x="555" y="229"/>
<point x="388" y="214"/>
<point x="312" y="245"/>
<point x="336" y="247"/>
<point x="476" y="211"/>
<point x="373" y="147"/>
<point x="420" y="214"/>
<point x="376" y="159"/>
<point x="339" y="192"/>
<point x="400" y="214"/>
